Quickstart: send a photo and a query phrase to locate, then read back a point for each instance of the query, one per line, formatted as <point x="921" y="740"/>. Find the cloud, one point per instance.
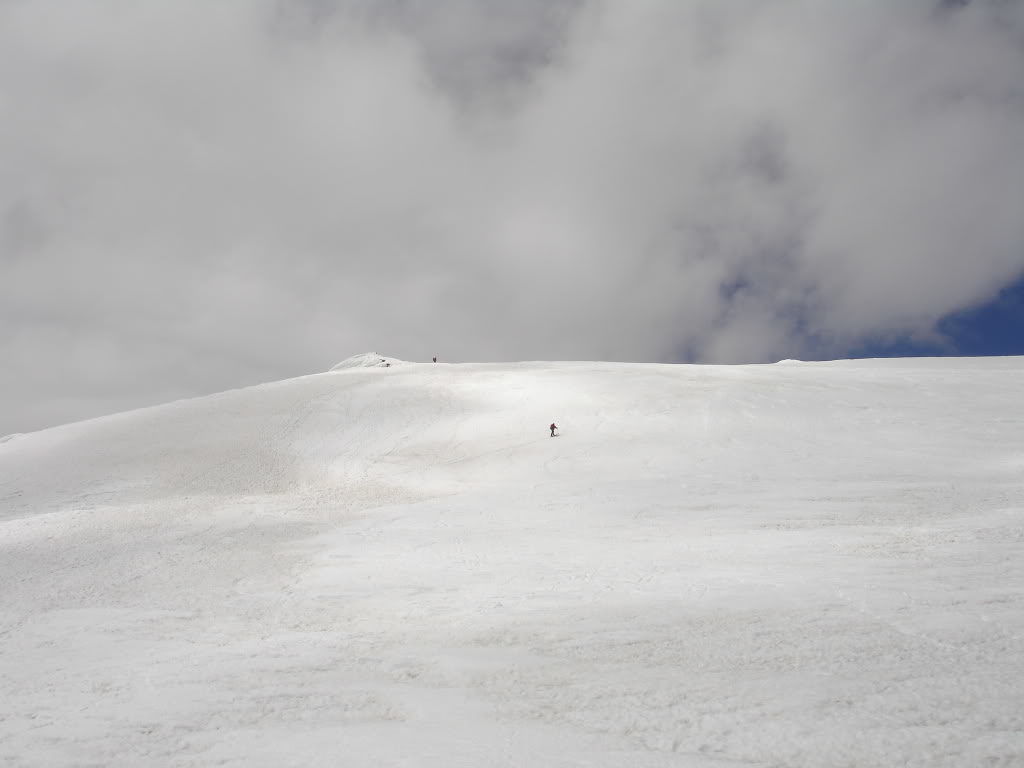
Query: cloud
<point x="195" y="196"/>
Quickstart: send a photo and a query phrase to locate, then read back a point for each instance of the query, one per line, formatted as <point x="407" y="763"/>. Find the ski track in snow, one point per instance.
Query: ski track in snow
<point x="790" y="565"/>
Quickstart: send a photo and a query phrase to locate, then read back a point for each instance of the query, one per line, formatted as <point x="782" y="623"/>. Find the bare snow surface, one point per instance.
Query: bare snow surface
<point x="809" y="564"/>
<point x="366" y="360"/>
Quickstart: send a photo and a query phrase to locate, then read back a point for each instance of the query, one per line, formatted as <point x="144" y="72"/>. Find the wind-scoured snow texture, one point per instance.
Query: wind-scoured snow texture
<point x="810" y="564"/>
<point x="366" y="360"/>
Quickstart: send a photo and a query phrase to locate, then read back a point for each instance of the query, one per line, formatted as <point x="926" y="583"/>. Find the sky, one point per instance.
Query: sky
<point x="199" y="196"/>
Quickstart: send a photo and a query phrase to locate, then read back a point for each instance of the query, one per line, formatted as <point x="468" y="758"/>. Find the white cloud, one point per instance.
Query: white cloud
<point x="255" y="189"/>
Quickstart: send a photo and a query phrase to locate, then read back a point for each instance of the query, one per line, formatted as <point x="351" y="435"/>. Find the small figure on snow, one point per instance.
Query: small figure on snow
<point x="553" y="428"/>
<point x="435" y="358"/>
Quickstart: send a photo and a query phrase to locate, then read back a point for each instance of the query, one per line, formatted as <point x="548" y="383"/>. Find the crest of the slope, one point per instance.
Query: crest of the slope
<point x="367" y="360"/>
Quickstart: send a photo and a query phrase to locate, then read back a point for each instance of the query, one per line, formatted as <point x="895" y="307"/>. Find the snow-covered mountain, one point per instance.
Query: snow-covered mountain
<point x="800" y="564"/>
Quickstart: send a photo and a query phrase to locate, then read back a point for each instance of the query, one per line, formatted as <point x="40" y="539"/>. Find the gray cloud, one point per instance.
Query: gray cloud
<point x="195" y="196"/>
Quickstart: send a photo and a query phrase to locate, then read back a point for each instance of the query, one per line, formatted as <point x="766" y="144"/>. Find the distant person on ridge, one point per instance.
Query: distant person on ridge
<point x="553" y="428"/>
<point x="435" y="358"/>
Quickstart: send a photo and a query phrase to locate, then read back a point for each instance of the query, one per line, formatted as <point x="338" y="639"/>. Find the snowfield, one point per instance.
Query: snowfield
<point x="800" y="564"/>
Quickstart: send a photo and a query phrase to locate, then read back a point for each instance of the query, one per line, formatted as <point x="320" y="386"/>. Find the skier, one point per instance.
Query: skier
<point x="553" y="428"/>
<point x="435" y="358"/>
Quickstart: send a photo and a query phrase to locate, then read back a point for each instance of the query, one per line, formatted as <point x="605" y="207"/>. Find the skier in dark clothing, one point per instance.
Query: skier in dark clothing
<point x="553" y="428"/>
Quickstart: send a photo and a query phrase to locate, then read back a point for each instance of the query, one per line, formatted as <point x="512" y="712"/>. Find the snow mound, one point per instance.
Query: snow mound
<point x="367" y="360"/>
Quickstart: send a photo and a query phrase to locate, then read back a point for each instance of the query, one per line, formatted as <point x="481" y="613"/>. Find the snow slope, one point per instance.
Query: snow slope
<point x="802" y="564"/>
